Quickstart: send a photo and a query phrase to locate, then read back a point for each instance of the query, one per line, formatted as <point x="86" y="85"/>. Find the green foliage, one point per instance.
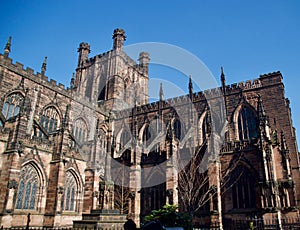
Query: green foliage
<point x="169" y="216"/>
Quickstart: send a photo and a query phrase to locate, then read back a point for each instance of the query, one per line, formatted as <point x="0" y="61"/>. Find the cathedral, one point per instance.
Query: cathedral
<point x="221" y="155"/>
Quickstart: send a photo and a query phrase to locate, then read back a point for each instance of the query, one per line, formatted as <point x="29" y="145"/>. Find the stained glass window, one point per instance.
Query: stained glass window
<point x="28" y="186"/>
<point x="177" y="129"/>
<point x="69" y="201"/>
<point x="12" y="104"/>
<point x="205" y="129"/>
<point x="247" y="124"/>
<point x="146" y="136"/>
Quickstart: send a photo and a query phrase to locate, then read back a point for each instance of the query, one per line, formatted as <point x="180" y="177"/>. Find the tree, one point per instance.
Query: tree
<point x="121" y="198"/>
<point x="202" y="180"/>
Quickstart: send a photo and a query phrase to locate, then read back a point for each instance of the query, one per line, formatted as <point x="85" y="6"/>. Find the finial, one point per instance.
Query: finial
<point x="261" y="112"/>
<point x="72" y="84"/>
<point x="7" y="47"/>
<point x="223" y="81"/>
<point x="161" y="93"/>
<point x="190" y="86"/>
<point x="44" y="66"/>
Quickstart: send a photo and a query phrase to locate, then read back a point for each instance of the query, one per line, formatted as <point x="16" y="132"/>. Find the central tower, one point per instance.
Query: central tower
<point x="112" y="78"/>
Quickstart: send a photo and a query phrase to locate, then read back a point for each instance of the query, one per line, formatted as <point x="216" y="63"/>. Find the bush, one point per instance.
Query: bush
<point x="169" y="216"/>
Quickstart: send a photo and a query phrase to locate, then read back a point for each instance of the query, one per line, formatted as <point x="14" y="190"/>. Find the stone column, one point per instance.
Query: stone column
<point x="172" y="174"/>
<point x="88" y="190"/>
<point x="135" y="185"/>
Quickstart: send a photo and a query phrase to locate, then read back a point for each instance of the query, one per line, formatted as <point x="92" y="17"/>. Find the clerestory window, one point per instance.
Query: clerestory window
<point x="12" y="105"/>
<point x="49" y="120"/>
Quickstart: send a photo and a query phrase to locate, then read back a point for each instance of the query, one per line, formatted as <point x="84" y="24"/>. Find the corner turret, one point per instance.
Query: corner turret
<point x="119" y="38"/>
<point x="144" y="59"/>
<point x="83" y="50"/>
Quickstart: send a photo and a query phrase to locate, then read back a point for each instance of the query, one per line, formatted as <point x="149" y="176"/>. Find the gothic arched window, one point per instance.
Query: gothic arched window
<point x="102" y="140"/>
<point x="80" y="130"/>
<point x="247" y="124"/>
<point x="28" y="188"/>
<point x="205" y="129"/>
<point x="177" y="129"/>
<point x="243" y="194"/>
<point x="146" y="136"/>
<point x="124" y="141"/>
<point x="12" y="104"/>
<point x="70" y="192"/>
<point x="49" y="120"/>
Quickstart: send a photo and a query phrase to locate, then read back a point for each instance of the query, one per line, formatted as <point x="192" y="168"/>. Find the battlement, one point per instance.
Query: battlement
<point x="29" y="73"/>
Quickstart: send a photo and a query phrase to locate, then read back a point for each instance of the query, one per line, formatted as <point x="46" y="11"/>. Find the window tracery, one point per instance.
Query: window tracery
<point x="12" y="105"/>
<point x="49" y="120"/>
<point x="28" y="186"/>
<point x="247" y="124"/>
<point x="70" y="191"/>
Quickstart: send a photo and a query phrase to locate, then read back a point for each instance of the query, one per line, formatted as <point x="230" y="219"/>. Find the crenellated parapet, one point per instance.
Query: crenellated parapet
<point x="28" y="73"/>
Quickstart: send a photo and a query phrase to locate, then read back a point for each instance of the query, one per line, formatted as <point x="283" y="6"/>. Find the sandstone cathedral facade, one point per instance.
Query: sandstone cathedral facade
<point x="101" y="145"/>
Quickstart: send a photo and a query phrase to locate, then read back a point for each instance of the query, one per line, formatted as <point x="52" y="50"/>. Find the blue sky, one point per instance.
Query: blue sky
<point x="247" y="38"/>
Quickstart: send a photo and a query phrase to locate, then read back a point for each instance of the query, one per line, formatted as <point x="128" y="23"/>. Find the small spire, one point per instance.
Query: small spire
<point x="161" y="93"/>
<point x="260" y="107"/>
<point x="44" y="66"/>
<point x="190" y="86"/>
<point x="223" y="81"/>
<point x="261" y="112"/>
<point x="7" y="47"/>
<point x="72" y="84"/>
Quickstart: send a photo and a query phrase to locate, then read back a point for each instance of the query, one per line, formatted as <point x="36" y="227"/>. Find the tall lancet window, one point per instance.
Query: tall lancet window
<point x="70" y="193"/>
<point x="205" y="129"/>
<point x="146" y="136"/>
<point x="12" y="105"/>
<point x="243" y="193"/>
<point x="28" y="188"/>
<point x="247" y="124"/>
<point x="177" y="129"/>
<point x="125" y="145"/>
